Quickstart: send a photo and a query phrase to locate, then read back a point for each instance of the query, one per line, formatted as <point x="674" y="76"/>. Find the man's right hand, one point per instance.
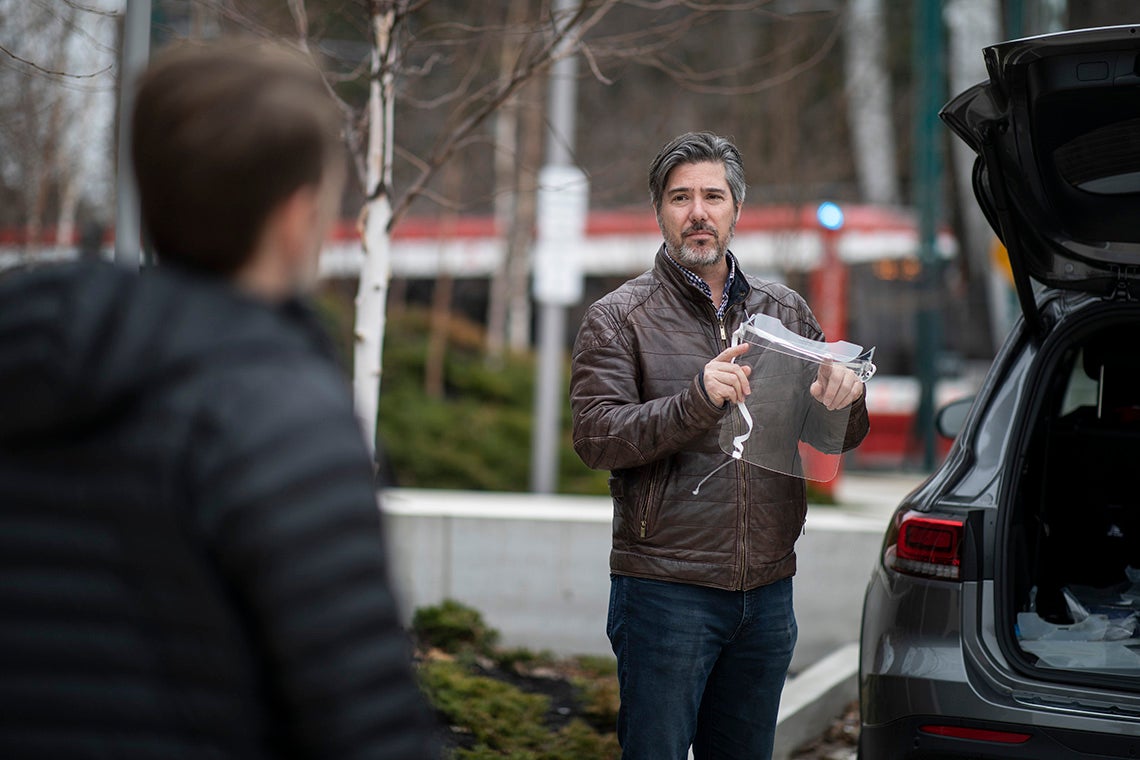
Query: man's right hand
<point x="726" y="381"/>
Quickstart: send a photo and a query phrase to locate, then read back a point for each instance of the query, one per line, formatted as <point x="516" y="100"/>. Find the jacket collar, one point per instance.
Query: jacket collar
<point x="668" y="272"/>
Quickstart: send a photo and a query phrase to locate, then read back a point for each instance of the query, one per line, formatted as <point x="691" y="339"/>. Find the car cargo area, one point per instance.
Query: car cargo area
<point x="1073" y="563"/>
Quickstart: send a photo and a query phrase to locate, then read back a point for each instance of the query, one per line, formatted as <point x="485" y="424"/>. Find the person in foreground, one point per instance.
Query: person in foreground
<point x="700" y="613"/>
<point x="191" y="557"/>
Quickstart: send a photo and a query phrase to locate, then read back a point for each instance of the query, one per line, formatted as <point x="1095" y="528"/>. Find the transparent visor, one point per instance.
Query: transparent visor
<point x="780" y="426"/>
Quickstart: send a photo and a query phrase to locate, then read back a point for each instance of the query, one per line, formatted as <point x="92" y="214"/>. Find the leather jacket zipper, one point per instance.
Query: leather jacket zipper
<point x="653" y="492"/>
<point x="743" y="527"/>
<point x="743" y="524"/>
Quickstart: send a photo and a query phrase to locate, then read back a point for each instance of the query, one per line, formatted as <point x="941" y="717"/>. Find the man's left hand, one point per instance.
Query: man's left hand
<point x="836" y="386"/>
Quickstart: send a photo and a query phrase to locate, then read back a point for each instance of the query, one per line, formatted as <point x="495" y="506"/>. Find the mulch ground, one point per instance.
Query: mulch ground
<point x="838" y="742"/>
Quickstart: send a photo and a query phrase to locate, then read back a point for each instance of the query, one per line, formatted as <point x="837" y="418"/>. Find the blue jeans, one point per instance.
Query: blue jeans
<point x="699" y="666"/>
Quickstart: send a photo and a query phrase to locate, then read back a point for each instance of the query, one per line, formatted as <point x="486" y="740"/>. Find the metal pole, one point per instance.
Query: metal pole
<point x="1014" y="19"/>
<point x="828" y="288"/>
<point x="549" y="389"/>
<point x="135" y="53"/>
<point x="548" y="399"/>
<point x="927" y="160"/>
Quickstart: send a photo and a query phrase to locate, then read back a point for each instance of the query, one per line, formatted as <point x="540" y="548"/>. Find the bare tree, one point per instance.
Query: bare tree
<point x="55" y="91"/>
<point x="376" y="217"/>
<point x="508" y="312"/>
<point x="440" y="323"/>
<point x="604" y="33"/>
<point x="972" y="25"/>
<point x="869" y="110"/>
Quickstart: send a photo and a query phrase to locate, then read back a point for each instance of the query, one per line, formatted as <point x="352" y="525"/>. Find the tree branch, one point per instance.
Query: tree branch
<point x="53" y="72"/>
<point x="563" y="41"/>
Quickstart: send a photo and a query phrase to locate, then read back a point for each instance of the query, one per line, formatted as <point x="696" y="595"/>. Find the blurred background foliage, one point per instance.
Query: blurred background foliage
<point x="457" y="390"/>
<point x="473" y="430"/>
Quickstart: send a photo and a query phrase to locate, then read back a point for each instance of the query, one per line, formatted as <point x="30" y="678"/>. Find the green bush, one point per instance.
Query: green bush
<point x="506" y="722"/>
<point x="597" y="685"/>
<point x="501" y="720"/>
<point x="453" y="627"/>
<point x="477" y="436"/>
<point x="519" y="659"/>
<point x="498" y="715"/>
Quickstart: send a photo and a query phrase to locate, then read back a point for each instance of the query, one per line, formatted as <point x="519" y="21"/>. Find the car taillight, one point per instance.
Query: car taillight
<point x="978" y="734"/>
<point x="925" y="546"/>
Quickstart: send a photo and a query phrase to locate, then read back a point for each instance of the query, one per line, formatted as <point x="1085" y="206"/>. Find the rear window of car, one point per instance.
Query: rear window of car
<point x="1105" y="161"/>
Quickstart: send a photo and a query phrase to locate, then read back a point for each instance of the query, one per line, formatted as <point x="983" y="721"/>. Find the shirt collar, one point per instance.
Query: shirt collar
<point x="696" y="280"/>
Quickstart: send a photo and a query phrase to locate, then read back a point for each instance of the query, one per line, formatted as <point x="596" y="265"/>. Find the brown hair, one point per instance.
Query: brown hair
<point x="223" y="133"/>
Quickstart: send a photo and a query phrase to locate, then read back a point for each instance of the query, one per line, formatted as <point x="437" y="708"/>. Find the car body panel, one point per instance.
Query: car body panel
<point x="932" y="648"/>
<point x="938" y="651"/>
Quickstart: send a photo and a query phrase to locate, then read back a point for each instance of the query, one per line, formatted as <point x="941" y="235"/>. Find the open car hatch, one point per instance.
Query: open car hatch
<point x="1057" y="133"/>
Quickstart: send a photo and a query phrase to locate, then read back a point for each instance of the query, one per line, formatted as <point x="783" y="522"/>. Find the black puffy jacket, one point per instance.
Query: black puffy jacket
<point x="191" y="558"/>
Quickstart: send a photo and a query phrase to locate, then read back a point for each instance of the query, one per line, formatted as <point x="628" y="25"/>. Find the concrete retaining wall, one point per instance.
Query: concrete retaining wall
<point x="537" y="566"/>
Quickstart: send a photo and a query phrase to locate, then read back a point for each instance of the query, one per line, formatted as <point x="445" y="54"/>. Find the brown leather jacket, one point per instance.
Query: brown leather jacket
<point x="640" y="411"/>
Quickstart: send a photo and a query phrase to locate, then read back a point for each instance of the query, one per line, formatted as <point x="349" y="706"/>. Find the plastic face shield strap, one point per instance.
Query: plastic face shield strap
<point x="769" y="334"/>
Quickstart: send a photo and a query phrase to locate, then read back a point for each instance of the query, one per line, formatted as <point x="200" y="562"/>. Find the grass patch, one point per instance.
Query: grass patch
<point x="512" y="703"/>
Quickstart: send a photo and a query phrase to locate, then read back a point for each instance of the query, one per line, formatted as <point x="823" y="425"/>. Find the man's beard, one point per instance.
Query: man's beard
<point x="699" y="256"/>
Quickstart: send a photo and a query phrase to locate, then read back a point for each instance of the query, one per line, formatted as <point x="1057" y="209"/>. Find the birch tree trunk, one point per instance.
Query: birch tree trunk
<point x="375" y="268"/>
<point x="972" y="25"/>
<point x="868" y="87"/>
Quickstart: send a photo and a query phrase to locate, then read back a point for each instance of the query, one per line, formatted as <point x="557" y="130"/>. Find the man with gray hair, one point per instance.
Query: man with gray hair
<point x="700" y="614"/>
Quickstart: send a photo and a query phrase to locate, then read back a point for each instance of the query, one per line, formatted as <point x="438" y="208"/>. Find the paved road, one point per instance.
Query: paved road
<point x="835" y="557"/>
<point x="874" y="494"/>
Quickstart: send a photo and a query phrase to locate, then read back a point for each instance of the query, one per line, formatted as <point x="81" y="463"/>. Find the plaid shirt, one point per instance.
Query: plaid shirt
<point x="704" y="286"/>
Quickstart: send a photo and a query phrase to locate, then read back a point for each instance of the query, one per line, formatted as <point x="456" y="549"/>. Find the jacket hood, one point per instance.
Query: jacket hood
<point x="82" y="340"/>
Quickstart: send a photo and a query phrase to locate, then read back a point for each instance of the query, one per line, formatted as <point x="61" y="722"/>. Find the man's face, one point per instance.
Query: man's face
<point x="697" y="214"/>
<point x="325" y="213"/>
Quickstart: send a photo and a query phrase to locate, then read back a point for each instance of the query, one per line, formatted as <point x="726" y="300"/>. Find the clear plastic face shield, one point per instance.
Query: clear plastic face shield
<point x="781" y="426"/>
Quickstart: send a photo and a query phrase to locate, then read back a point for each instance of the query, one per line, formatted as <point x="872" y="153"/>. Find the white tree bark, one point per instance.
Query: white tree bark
<point x="375" y="270"/>
<point x="868" y="88"/>
<point x="973" y="25"/>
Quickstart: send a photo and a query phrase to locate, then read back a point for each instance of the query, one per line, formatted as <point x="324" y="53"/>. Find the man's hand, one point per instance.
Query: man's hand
<point x="836" y="386"/>
<point x="725" y="381"/>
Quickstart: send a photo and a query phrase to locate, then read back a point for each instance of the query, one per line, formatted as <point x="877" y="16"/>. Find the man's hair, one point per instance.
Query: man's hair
<point x="222" y="134"/>
<point x="695" y="148"/>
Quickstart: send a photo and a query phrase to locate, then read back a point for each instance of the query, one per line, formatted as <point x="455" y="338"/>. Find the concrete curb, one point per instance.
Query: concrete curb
<point x="814" y="698"/>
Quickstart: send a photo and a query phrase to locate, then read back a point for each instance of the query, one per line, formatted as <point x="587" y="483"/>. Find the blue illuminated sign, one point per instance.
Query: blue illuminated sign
<point x="830" y="215"/>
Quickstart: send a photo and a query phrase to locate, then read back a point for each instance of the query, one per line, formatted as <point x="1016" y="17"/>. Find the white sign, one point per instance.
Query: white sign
<point x="563" y="202"/>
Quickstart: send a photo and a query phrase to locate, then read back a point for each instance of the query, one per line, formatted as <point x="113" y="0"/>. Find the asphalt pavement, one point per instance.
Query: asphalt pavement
<point x="874" y="494"/>
<point x="833" y="569"/>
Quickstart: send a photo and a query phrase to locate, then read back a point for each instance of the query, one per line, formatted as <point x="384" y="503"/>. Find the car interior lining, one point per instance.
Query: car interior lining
<point x="1075" y="538"/>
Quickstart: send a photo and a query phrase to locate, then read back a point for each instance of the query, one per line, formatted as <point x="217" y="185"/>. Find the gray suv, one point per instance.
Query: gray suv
<point x="1001" y="621"/>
